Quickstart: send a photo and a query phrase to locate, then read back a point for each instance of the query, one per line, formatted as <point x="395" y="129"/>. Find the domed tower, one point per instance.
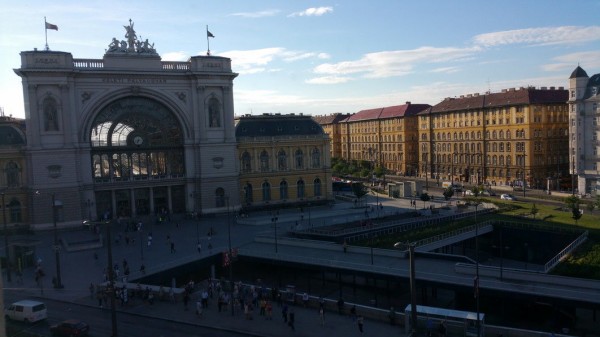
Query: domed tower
<point x="577" y="83"/>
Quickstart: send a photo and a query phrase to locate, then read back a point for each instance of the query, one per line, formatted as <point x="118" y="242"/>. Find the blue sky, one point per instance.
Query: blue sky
<point x="318" y="57"/>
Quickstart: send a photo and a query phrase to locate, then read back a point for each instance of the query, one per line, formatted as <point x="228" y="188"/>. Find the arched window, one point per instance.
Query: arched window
<point x="507" y="134"/>
<point x="50" y="114"/>
<point x="300" y="189"/>
<point x="264" y="161"/>
<point x="281" y="160"/>
<point x="317" y="187"/>
<point x="214" y="113"/>
<point x="246" y="162"/>
<point x="248" y="193"/>
<point x="507" y="147"/>
<point x="220" y="197"/>
<point x="12" y="174"/>
<point x="15" y="211"/>
<point x="316" y="158"/>
<point x="266" y="191"/>
<point x="508" y="160"/>
<point x="283" y="190"/>
<point x="299" y="159"/>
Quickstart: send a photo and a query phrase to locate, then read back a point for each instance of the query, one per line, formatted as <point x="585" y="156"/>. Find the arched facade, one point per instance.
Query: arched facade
<point x="128" y="135"/>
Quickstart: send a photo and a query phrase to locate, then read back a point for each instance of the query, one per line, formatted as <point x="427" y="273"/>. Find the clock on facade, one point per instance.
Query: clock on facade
<point x="138" y="140"/>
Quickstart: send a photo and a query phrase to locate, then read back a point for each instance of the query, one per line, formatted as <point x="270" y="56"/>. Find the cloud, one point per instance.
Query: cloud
<point x="395" y="63"/>
<point x="540" y="36"/>
<point x="254" y="61"/>
<point x="313" y="11"/>
<point x="567" y="62"/>
<point x="259" y="14"/>
<point x="328" y="80"/>
<point x="447" y="70"/>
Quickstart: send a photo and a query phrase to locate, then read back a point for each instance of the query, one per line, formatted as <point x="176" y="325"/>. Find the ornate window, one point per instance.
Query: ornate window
<point x="266" y="191"/>
<point x="248" y="193"/>
<point x="15" y="211"/>
<point x="264" y="161"/>
<point x="50" y="110"/>
<point x="299" y="159"/>
<point x="13" y="174"/>
<point x="281" y="160"/>
<point x="300" y="189"/>
<point x="136" y="138"/>
<point x="246" y="162"/>
<point x="317" y="187"/>
<point x="220" y="197"/>
<point x="214" y="113"/>
<point x="283" y="190"/>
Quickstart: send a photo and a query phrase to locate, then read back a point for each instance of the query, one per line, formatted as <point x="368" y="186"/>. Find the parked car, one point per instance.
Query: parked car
<point x="469" y="192"/>
<point x="70" y="328"/>
<point x="507" y="197"/>
<point x="26" y="311"/>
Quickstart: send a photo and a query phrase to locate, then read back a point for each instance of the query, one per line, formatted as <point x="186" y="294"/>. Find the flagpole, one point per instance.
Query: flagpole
<point x="207" y="41"/>
<point x="46" y="33"/>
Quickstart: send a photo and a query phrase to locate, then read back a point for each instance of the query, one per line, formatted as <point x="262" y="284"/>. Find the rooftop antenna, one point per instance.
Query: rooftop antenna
<point x="489" y="88"/>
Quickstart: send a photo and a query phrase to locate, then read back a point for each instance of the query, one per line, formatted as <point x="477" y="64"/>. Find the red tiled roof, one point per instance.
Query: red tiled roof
<point x="330" y="119"/>
<point x="507" y="97"/>
<point x="388" y="112"/>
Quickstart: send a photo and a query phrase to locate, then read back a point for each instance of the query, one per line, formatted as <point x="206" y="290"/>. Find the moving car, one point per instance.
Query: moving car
<point x="70" y="328"/>
<point x="26" y="311"/>
<point x="507" y="197"/>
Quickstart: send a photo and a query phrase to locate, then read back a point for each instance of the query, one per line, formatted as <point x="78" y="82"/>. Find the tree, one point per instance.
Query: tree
<point x="534" y="211"/>
<point x="572" y="202"/>
<point x="425" y="197"/>
<point x="359" y="190"/>
<point x="576" y="214"/>
<point x="476" y="191"/>
<point x="448" y="192"/>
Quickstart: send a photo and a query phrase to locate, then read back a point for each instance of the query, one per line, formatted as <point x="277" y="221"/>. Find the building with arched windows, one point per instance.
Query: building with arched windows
<point x="12" y="165"/>
<point x="128" y="135"/>
<point x="284" y="160"/>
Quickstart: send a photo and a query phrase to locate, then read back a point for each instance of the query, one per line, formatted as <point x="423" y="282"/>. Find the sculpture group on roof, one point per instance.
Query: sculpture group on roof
<point x="132" y="44"/>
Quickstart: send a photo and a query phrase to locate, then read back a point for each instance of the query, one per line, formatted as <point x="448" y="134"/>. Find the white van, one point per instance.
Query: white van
<point x="26" y="311"/>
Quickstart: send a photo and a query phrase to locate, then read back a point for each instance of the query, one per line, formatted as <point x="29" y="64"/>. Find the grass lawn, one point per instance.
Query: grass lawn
<point x="584" y="263"/>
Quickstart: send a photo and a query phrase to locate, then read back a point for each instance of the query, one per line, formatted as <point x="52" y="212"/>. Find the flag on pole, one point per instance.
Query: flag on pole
<point x="209" y="34"/>
<point x="51" y="26"/>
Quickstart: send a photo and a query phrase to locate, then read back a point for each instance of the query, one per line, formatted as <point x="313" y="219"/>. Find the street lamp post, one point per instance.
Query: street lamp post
<point x="230" y="254"/>
<point x="113" y="311"/>
<point x="58" y="284"/>
<point x="413" y="286"/>
<point x="111" y="276"/>
<point x="477" y="268"/>
<point x="274" y="222"/>
<point x="7" y="252"/>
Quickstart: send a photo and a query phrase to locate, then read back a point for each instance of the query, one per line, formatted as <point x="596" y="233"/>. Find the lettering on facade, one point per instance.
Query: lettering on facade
<point x="212" y="65"/>
<point x="46" y="60"/>
<point x="128" y="81"/>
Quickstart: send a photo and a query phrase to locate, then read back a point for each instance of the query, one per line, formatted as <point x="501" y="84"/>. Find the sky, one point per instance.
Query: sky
<point x="320" y="57"/>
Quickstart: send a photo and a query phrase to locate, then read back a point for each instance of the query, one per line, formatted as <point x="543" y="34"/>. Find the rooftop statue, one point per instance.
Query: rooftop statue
<point x="131" y="45"/>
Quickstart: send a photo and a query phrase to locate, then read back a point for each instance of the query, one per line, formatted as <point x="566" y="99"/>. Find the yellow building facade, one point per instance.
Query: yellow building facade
<point x="284" y="161"/>
<point x="480" y="139"/>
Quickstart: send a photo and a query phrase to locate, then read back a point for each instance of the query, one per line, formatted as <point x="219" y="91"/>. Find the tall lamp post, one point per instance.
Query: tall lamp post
<point x="111" y="276"/>
<point x="230" y="254"/>
<point x="476" y="283"/>
<point x="274" y="221"/>
<point x="7" y="252"/>
<point x="413" y="287"/>
<point x="58" y="284"/>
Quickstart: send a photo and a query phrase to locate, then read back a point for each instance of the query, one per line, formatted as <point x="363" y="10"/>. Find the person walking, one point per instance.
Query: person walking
<point x="199" y="247"/>
<point x="322" y="316"/>
<point x="292" y="319"/>
<point x="172" y="247"/>
<point x="360" y="322"/>
<point x="284" y="313"/>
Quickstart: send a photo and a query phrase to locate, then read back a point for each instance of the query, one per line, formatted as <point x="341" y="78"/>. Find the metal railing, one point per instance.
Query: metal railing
<point x="566" y="251"/>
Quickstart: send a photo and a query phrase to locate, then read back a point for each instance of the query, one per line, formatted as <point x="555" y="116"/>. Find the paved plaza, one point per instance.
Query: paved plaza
<point x="80" y="268"/>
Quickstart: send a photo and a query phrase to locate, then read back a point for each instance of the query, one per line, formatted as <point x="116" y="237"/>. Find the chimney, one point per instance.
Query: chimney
<point x="407" y="102"/>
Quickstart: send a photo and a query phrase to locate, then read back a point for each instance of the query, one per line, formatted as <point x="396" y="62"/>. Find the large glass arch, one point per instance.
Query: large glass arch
<point x="136" y="137"/>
